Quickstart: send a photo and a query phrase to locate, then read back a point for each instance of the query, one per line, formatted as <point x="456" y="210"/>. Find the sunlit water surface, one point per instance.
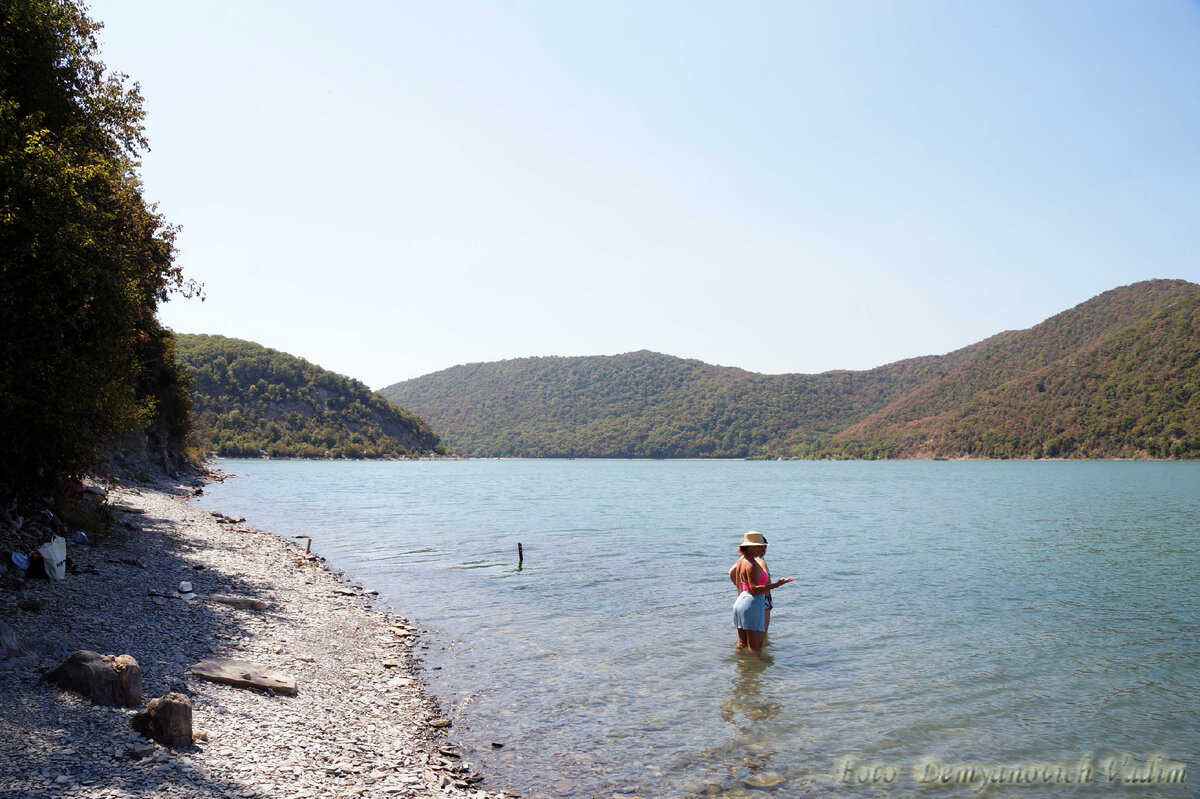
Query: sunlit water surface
<point x="945" y="617"/>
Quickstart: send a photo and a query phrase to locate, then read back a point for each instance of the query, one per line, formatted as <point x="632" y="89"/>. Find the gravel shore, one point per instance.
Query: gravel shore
<point x="360" y="724"/>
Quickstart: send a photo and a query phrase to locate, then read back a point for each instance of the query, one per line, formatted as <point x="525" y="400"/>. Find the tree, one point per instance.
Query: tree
<point x="84" y="259"/>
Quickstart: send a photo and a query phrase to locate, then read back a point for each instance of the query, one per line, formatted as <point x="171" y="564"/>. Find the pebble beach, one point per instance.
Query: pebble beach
<point x="361" y="723"/>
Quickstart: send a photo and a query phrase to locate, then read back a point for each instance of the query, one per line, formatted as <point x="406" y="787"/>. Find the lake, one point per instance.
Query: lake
<point x="955" y="628"/>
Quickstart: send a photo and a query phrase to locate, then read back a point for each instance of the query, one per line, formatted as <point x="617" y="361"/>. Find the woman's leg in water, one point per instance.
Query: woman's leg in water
<point x="743" y="638"/>
<point x="755" y="639"/>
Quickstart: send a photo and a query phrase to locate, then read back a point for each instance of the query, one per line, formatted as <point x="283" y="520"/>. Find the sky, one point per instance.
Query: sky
<point x="388" y="189"/>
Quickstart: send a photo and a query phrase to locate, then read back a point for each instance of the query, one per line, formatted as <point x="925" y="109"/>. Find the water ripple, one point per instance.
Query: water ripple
<point x="999" y="613"/>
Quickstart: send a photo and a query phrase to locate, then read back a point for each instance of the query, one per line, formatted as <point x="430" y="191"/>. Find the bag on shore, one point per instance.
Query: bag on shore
<point x="54" y="557"/>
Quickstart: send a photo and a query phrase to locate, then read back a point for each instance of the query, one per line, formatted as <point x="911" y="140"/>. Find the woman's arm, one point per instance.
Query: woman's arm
<point x="763" y="589"/>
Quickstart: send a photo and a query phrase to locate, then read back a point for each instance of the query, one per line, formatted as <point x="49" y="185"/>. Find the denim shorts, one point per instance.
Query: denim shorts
<point x="750" y="612"/>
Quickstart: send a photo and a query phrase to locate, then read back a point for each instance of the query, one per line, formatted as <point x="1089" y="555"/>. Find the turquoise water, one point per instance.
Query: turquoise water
<point x="1035" y="623"/>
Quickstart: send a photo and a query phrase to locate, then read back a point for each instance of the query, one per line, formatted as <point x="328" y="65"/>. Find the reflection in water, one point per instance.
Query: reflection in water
<point x="746" y="705"/>
<point x="750" y="709"/>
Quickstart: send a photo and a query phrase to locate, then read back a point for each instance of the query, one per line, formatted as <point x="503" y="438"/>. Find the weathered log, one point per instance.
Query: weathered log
<point x="249" y="603"/>
<point x="243" y="674"/>
<point x="105" y="679"/>
<point x="167" y="719"/>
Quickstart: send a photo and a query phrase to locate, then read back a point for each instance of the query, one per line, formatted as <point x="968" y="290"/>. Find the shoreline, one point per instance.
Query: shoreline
<point x="359" y="724"/>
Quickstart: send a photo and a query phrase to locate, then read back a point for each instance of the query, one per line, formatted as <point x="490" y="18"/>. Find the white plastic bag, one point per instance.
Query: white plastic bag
<point x="54" y="555"/>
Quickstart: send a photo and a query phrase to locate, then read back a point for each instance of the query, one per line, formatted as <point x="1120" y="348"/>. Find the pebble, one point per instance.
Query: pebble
<point x="141" y="750"/>
<point x="341" y="735"/>
<point x="766" y="779"/>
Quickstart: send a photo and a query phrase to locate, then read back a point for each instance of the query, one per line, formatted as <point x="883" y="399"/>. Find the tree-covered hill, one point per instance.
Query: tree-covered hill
<point x="643" y="405"/>
<point x="1117" y="376"/>
<point x="86" y="369"/>
<point x="1113" y="377"/>
<point x="249" y="400"/>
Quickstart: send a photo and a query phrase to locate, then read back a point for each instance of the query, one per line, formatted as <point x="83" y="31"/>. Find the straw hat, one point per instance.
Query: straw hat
<point x="753" y="539"/>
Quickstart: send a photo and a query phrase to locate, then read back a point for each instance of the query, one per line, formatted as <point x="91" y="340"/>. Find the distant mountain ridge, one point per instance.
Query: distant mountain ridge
<point x="249" y="400"/>
<point x="1116" y="376"/>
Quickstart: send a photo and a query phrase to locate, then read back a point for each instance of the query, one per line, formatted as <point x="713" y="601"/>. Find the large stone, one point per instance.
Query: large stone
<point x="105" y="679"/>
<point x="167" y="719"/>
<point x="10" y="647"/>
<point x="243" y="674"/>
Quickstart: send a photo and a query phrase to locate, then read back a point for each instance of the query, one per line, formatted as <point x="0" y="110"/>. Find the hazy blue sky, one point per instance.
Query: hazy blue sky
<point x="392" y="188"/>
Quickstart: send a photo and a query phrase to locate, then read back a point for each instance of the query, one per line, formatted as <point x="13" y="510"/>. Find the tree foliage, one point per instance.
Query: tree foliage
<point x="84" y="259"/>
<point x="253" y="401"/>
<point x="1116" y="376"/>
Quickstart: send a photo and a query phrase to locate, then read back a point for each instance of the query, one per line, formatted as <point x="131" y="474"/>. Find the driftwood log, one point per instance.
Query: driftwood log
<point x="105" y="679"/>
<point x="243" y="674"/>
<point x="167" y="719"/>
<point x="248" y="603"/>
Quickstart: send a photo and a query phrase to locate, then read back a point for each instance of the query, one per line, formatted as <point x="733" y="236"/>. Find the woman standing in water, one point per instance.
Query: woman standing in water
<point x="750" y="576"/>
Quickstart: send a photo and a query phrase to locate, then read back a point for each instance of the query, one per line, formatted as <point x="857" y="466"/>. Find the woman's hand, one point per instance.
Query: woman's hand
<point x="785" y="581"/>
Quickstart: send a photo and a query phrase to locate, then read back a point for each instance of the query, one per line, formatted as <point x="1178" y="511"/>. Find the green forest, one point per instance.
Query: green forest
<point x="85" y="261"/>
<point x="252" y="401"/>
<point x="1116" y="376"/>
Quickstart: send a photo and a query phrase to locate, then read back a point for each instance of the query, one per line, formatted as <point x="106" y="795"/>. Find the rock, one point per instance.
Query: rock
<point x="248" y="603"/>
<point x="199" y="735"/>
<point x="167" y="719"/>
<point x="242" y="674"/>
<point x="140" y="750"/>
<point x="105" y="679"/>
<point x="10" y="647"/>
<point x="766" y="779"/>
<point x="440" y="723"/>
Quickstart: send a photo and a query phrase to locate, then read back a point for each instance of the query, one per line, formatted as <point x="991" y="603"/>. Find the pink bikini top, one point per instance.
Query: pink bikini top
<point x="766" y="578"/>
